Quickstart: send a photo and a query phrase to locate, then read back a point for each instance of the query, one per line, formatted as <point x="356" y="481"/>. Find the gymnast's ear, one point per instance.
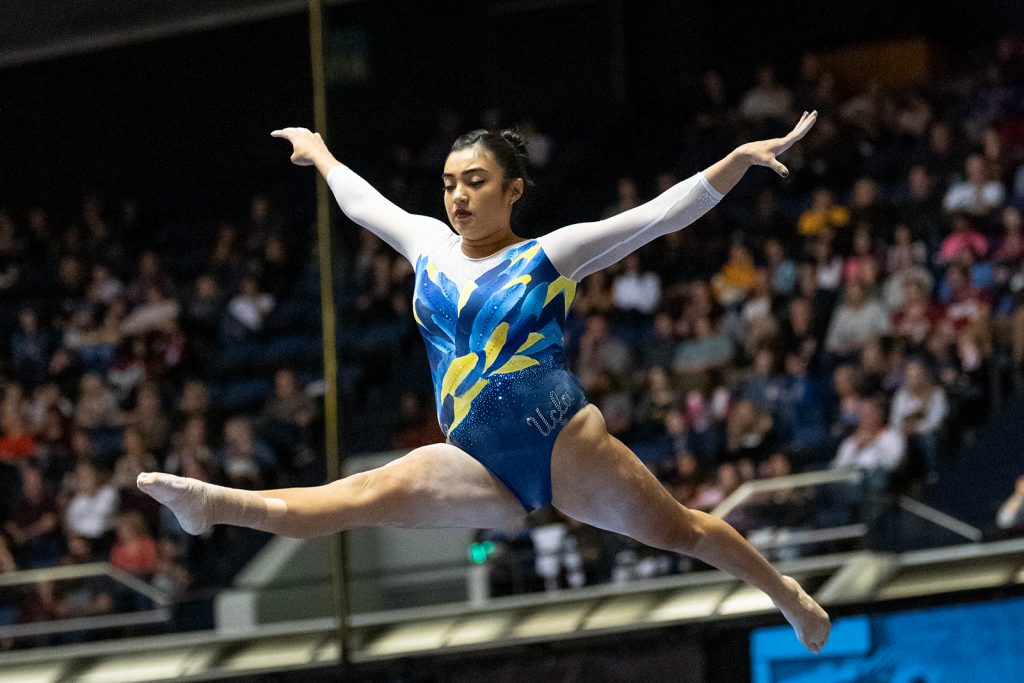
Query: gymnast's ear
<point x="514" y="191"/>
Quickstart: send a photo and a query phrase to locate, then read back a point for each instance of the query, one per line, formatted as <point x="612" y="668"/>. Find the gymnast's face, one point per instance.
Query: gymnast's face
<point x="477" y="196"/>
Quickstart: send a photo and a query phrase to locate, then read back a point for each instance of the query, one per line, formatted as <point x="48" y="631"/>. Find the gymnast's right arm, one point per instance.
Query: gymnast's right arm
<point x="364" y="205"/>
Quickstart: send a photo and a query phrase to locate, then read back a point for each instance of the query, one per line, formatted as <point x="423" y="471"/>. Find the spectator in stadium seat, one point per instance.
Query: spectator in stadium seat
<point x="135" y="550"/>
<point x="781" y="268"/>
<point x="919" y="206"/>
<point x="93" y="503"/>
<point x="768" y="100"/>
<point x="905" y="250"/>
<point x="635" y="290"/>
<point x="826" y="271"/>
<point x="34" y="527"/>
<point x="601" y="350"/>
<point x="800" y="409"/>
<point x="749" y="433"/>
<point x="247" y="461"/>
<point x="977" y="194"/>
<point x="710" y="494"/>
<point x="737" y="276"/>
<point x="963" y="236"/>
<point x="919" y="410"/>
<point x="1011" y="511"/>
<point x="171" y="577"/>
<point x="96" y="406"/>
<point x="627" y="196"/>
<point x="709" y="348"/>
<point x="248" y="310"/>
<point x="863" y="264"/>
<point x="824" y="215"/>
<point x="846" y="381"/>
<point x="1011" y="247"/>
<point x="149" y="418"/>
<point x="872" y="447"/>
<point x="855" y="322"/>
<point x="867" y="208"/>
<point x="190" y="444"/>
<point x="17" y="442"/>
<point x="916" y="317"/>
<point x="30" y="349"/>
<point x="902" y="271"/>
<point x="658" y="346"/>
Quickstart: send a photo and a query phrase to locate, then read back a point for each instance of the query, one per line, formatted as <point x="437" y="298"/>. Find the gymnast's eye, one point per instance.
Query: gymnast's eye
<point x="449" y="188"/>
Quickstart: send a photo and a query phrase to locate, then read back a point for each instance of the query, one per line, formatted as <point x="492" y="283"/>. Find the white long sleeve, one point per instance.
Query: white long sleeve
<point x="584" y="248"/>
<point x="404" y="231"/>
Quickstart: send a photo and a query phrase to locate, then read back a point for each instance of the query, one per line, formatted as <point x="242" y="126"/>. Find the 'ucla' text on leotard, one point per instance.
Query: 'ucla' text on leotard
<point x="493" y="325"/>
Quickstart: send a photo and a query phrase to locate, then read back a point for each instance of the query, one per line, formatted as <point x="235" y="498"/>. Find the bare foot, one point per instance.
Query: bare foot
<point x="806" y="616"/>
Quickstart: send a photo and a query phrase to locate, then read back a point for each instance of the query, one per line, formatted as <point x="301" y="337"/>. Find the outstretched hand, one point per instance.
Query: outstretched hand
<point x="764" y="152"/>
<point x="306" y="145"/>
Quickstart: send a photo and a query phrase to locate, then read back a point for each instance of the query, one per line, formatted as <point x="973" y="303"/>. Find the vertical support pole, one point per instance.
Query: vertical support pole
<point x="339" y="566"/>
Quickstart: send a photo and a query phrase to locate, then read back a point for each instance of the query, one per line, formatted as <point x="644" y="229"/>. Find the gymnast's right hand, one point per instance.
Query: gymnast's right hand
<point x="307" y="147"/>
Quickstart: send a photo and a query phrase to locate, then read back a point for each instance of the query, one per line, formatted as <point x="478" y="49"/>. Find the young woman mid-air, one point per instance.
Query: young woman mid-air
<point x="520" y="433"/>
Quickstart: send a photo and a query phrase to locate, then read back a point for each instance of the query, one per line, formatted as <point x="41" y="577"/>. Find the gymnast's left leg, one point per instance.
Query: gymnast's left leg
<point x="598" y="480"/>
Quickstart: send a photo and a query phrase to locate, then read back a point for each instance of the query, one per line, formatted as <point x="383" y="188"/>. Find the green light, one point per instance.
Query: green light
<point x="478" y="552"/>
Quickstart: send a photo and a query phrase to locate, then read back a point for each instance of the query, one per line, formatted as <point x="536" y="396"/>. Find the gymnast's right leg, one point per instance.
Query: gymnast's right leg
<point x="436" y="486"/>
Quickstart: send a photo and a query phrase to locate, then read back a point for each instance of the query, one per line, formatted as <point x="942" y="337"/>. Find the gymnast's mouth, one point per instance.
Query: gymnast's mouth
<point x="462" y="213"/>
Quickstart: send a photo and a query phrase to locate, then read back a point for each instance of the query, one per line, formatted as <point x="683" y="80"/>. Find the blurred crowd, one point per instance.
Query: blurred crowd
<point x="865" y="313"/>
<point x="111" y="368"/>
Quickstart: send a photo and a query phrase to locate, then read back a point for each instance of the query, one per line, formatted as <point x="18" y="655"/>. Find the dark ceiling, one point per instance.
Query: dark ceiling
<point x="43" y="29"/>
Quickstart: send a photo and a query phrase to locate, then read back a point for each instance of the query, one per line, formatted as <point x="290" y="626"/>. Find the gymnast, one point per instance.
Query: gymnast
<point x="491" y="306"/>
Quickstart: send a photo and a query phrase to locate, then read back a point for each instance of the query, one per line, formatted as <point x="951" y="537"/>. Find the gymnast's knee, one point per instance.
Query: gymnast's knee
<point x="684" y="533"/>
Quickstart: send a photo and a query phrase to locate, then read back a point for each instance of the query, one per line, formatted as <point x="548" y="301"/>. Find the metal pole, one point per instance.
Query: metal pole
<point x="339" y="566"/>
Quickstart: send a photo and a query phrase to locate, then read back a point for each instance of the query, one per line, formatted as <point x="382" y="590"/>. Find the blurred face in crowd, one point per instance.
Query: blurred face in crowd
<point x="1012" y="220"/>
<point x="917" y="376"/>
<point x="872" y="419"/>
<point x="477" y="196"/>
<point x="854" y="294"/>
<point x="975" y="170"/>
<point x="920" y="181"/>
<point x="865" y="192"/>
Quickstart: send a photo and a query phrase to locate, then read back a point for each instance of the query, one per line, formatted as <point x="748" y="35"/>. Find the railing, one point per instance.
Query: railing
<point x="103" y="570"/>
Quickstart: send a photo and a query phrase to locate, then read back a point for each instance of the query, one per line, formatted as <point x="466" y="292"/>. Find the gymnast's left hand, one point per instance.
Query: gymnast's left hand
<point x="307" y="147"/>
<point x="764" y="152"/>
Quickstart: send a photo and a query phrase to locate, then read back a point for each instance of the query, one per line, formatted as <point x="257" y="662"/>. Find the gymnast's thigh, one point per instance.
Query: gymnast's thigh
<point x="598" y="480"/>
<point x="441" y="485"/>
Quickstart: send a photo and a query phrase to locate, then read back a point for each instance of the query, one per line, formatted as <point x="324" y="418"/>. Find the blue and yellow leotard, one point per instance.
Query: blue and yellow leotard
<point x="493" y="326"/>
<point x="501" y="384"/>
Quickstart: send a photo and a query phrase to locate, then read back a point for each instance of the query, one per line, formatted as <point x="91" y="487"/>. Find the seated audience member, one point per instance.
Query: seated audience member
<point x="917" y="317"/>
<point x="135" y="550"/>
<point x="873" y="447"/>
<point x="823" y="216"/>
<point x="919" y="409"/>
<point x="34" y="526"/>
<point x="709" y="348"/>
<point x="963" y="237"/>
<point x="977" y="193"/>
<point x="93" y="504"/>
<point x="855" y="322"/>
<point x="737" y="276"/>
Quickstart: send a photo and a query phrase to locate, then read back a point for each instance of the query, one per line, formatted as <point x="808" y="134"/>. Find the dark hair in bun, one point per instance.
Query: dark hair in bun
<point x="509" y="150"/>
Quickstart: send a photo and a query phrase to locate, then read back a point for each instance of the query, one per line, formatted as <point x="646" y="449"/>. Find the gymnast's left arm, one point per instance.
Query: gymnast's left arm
<point x="584" y="248"/>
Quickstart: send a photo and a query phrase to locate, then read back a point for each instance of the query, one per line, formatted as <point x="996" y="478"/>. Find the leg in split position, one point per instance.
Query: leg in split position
<point x="433" y="486"/>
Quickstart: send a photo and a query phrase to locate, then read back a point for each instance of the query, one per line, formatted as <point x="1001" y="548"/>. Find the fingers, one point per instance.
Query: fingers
<point x="805" y="123"/>
<point x="291" y="133"/>
<point x="778" y="167"/>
